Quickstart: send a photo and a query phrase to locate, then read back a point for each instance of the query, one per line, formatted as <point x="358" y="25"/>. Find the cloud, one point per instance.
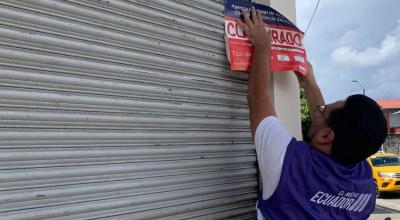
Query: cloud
<point x="371" y="56"/>
<point x="351" y="37"/>
<point x="357" y="25"/>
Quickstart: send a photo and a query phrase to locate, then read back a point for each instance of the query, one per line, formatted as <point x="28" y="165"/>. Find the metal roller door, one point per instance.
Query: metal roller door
<point x="121" y="109"/>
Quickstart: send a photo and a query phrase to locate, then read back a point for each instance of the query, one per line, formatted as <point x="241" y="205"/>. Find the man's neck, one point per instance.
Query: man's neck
<point x="322" y="147"/>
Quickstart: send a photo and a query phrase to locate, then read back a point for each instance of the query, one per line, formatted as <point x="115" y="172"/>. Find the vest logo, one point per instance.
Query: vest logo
<point x="350" y="201"/>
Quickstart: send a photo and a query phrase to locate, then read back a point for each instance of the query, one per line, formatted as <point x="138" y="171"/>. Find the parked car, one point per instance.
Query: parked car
<point x="386" y="172"/>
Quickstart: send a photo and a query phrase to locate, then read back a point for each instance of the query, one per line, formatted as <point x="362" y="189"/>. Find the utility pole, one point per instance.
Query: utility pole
<point x="355" y="81"/>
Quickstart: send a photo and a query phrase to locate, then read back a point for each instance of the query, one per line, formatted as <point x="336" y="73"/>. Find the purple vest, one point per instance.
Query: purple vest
<point x="314" y="186"/>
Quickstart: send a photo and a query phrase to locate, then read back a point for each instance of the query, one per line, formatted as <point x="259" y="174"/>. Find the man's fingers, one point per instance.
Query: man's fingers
<point x="254" y="16"/>
<point x="247" y="19"/>
<point x="260" y="18"/>
<point x="300" y="77"/>
<point x="243" y="26"/>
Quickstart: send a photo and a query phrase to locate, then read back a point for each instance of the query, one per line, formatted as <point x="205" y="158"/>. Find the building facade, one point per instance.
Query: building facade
<point x="391" y="110"/>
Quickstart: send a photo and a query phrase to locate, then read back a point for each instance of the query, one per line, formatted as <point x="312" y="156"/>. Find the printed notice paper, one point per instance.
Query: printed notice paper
<point x="287" y="50"/>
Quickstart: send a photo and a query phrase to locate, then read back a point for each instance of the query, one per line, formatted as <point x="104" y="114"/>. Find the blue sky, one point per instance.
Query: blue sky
<point x="353" y="40"/>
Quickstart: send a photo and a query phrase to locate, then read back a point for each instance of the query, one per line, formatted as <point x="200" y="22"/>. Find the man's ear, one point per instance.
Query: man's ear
<point x="326" y="136"/>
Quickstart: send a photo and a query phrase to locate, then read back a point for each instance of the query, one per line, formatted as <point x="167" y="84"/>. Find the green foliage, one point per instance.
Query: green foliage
<point x="305" y="113"/>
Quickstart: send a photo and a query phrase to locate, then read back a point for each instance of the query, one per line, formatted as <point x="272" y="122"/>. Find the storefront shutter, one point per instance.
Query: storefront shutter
<point x="121" y="109"/>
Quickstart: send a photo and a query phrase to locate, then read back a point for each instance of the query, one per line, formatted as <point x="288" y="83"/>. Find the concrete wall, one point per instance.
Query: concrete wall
<point x="286" y="93"/>
<point x="392" y="144"/>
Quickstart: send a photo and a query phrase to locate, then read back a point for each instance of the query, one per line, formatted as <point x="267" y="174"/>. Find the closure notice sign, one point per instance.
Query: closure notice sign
<point x="287" y="50"/>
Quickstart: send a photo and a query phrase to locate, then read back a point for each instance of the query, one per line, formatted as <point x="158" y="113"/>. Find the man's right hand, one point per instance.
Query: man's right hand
<point x="258" y="36"/>
<point x="309" y="79"/>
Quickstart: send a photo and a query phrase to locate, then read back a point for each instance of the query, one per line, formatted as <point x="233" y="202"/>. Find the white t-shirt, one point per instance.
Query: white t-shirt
<point x="271" y="141"/>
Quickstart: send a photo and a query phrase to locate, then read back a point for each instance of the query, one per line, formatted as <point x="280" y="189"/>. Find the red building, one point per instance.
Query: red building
<point x="391" y="109"/>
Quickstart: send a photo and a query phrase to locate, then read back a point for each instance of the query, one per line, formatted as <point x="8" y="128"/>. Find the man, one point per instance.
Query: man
<point x="327" y="178"/>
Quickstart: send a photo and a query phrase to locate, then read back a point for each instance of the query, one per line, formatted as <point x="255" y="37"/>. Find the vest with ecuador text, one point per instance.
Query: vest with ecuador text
<point x="314" y="186"/>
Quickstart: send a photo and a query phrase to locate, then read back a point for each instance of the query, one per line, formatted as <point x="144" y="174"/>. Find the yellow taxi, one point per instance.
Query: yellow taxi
<point x="386" y="172"/>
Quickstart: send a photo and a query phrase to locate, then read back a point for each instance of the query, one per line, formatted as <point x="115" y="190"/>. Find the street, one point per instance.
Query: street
<point x="389" y="206"/>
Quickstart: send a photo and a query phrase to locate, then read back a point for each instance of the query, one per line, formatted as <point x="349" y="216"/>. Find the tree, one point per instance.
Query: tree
<point x="305" y="114"/>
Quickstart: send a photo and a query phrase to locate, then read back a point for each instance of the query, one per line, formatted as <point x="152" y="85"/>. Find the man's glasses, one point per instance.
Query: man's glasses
<point x="320" y="110"/>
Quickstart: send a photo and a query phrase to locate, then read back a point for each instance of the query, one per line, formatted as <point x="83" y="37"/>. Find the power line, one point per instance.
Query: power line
<point x="312" y="17"/>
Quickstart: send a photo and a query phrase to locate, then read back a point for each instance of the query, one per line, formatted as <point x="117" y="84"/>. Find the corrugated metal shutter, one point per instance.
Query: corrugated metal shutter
<point x="121" y="109"/>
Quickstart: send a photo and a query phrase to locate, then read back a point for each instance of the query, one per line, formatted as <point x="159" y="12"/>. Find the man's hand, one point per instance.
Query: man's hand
<point x="255" y="30"/>
<point x="309" y="79"/>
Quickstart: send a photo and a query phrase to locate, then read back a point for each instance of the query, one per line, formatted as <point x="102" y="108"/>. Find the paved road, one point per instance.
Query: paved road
<point x="391" y="201"/>
<point x="387" y="207"/>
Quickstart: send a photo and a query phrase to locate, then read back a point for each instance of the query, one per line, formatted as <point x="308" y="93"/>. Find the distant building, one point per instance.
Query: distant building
<point x="391" y="109"/>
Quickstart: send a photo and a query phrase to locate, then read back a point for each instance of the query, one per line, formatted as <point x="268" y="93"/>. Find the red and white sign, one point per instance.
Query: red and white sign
<point x="287" y="50"/>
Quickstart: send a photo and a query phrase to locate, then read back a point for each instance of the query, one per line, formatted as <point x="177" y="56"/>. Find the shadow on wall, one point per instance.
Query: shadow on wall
<point x="392" y="144"/>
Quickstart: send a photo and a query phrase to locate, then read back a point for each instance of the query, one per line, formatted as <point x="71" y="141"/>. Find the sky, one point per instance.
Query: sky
<point x="353" y="40"/>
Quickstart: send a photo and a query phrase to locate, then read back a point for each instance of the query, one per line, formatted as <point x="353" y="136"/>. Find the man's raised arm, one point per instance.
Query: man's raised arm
<point x="260" y="104"/>
<point x="311" y="90"/>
